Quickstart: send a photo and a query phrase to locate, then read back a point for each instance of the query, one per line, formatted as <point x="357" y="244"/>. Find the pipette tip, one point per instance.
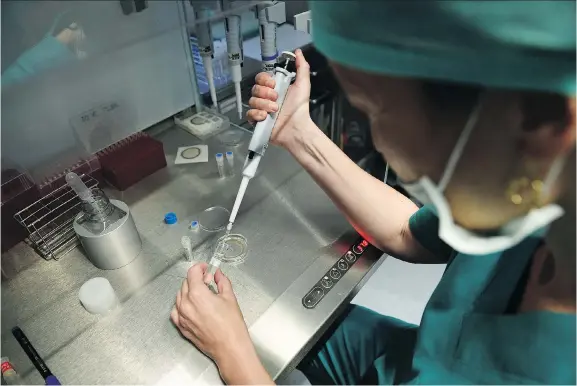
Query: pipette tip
<point x="214" y="264"/>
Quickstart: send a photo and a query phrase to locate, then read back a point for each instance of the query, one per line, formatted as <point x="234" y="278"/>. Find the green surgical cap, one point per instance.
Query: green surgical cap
<point x="509" y="44"/>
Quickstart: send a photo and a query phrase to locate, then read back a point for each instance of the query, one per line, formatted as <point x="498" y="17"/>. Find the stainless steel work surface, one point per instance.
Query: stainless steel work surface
<point x="294" y="235"/>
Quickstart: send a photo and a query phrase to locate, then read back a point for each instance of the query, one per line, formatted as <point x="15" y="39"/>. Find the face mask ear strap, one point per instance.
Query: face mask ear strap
<point x="386" y="173"/>
<point x="460" y="145"/>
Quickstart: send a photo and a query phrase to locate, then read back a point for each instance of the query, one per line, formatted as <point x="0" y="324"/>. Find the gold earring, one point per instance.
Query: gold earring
<point x="526" y="192"/>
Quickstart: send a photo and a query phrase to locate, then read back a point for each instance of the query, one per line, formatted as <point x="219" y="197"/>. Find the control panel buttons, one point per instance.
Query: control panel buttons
<point x="326" y="282"/>
<point x="313" y="297"/>
<point x="335" y="273"/>
<point x="360" y="247"/>
<point x="342" y="265"/>
<point x="350" y="257"/>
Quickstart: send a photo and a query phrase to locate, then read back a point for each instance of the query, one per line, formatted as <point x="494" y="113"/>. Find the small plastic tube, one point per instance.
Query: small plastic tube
<point x="230" y="161"/>
<point x="187" y="245"/>
<point x="9" y="374"/>
<point x="220" y="164"/>
<point x="194" y="225"/>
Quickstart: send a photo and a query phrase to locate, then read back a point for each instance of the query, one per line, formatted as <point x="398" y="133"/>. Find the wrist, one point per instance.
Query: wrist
<point x="305" y="131"/>
<point x="242" y="367"/>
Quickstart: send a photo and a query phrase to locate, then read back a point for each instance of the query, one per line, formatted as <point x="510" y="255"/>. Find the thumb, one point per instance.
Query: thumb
<point x="208" y="277"/>
<point x="303" y="69"/>
<point x="222" y="282"/>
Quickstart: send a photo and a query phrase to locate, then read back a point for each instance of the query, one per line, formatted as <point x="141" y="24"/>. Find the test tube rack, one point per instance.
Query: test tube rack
<point x="128" y="161"/>
<point x="18" y="190"/>
<point x="49" y="220"/>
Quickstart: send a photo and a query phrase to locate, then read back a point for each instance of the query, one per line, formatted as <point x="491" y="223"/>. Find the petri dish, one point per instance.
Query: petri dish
<point x="230" y="137"/>
<point x="231" y="249"/>
<point x="214" y="219"/>
<point x="190" y="153"/>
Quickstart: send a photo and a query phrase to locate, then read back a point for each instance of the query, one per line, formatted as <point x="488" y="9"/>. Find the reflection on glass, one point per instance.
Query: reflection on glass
<point x="37" y="50"/>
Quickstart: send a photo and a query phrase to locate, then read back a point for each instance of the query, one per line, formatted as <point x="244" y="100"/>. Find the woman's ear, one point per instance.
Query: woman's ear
<point x="548" y="125"/>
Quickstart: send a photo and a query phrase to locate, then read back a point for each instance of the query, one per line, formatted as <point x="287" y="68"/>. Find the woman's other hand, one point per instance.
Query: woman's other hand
<point x="295" y="109"/>
<point x="215" y="325"/>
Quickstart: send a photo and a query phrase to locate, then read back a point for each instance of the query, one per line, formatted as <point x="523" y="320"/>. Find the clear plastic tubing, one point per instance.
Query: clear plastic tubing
<point x="220" y="164"/>
<point x="230" y="160"/>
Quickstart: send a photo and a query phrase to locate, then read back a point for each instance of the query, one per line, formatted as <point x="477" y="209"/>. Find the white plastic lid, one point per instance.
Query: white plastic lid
<point x="98" y="296"/>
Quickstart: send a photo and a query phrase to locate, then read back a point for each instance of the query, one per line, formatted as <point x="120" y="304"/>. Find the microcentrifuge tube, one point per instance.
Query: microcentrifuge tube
<point x="230" y="162"/>
<point x="220" y="164"/>
<point x="187" y="245"/>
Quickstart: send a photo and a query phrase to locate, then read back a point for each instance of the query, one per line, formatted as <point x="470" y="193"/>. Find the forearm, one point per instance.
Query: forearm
<point x="376" y="210"/>
<point x="243" y="369"/>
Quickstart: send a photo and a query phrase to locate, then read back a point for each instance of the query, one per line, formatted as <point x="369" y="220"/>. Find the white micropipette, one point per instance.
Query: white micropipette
<point x="205" y="46"/>
<point x="235" y="55"/>
<point x="262" y="132"/>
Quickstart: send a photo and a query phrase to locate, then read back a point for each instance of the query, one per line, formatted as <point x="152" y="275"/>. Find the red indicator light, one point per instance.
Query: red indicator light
<point x="364" y="243"/>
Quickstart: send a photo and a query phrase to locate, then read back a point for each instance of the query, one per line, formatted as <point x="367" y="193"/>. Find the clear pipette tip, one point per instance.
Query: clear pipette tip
<point x="238" y="99"/>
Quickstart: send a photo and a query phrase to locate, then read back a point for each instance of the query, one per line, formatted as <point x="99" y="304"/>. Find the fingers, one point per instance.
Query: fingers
<point x="303" y="69"/>
<point x="255" y="115"/>
<point x="263" y="104"/>
<point x="196" y="274"/>
<point x="208" y="277"/>
<point x="184" y="288"/>
<point x="223" y="284"/>
<point x="179" y="297"/>
<point x="174" y="317"/>
<point x="264" y="92"/>
<point x="264" y="79"/>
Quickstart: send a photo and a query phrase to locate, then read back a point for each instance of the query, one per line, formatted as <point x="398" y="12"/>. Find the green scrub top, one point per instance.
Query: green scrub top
<point x="466" y="334"/>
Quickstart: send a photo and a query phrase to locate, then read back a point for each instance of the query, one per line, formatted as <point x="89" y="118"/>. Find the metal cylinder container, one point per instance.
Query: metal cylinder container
<point x="116" y="246"/>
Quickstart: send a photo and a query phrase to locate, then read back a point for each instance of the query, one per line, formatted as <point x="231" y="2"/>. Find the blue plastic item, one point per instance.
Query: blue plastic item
<point x="170" y="218"/>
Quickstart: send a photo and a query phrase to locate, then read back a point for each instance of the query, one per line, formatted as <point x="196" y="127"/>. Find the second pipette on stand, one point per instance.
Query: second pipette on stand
<point x="269" y="15"/>
<point x="235" y="55"/>
<point x="206" y="48"/>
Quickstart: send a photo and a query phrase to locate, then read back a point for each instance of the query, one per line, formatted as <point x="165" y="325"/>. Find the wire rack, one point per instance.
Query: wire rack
<point x="49" y="221"/>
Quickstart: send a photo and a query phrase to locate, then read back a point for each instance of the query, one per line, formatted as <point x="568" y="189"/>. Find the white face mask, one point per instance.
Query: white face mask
<point x="463" y="240"/>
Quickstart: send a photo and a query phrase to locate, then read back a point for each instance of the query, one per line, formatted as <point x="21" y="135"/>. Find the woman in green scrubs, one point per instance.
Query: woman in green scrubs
<point x="472" y="104"/>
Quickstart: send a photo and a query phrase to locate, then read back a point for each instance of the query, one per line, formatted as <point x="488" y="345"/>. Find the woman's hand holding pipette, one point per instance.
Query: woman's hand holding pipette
<point x="295" y="108"/>
<point x="215" y="325"/>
